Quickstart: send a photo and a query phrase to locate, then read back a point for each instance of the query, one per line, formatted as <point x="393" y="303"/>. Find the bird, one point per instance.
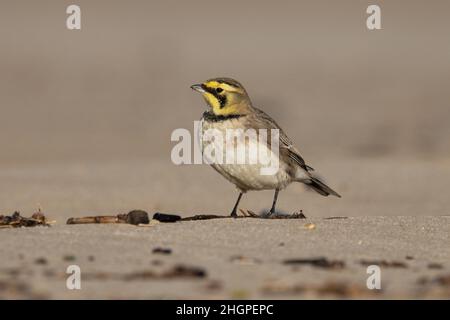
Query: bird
<point x="230" y="107"/>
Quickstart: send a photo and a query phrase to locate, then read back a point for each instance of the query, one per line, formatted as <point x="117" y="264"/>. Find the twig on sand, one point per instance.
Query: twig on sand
<point x="249" y="213"/>
<point x="134" y="217"/>
<point x="204" y="217"/>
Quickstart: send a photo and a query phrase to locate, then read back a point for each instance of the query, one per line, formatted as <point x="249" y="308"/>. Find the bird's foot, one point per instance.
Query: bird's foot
<point x="267" y="215"/>
<point x="233" y="214"/>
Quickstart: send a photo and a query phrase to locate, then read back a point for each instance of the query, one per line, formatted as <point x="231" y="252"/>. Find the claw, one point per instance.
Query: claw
<point x="267" y="215"/>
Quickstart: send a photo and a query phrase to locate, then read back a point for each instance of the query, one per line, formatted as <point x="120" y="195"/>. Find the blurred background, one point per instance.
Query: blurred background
<point x="86" y="116"/>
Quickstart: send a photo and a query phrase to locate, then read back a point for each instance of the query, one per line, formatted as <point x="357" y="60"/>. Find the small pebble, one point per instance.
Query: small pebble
<point x="137" y="217"/>
<point x="310" y="226"/>
<point x="41" y="261"/>
<point x="164" y="217"/>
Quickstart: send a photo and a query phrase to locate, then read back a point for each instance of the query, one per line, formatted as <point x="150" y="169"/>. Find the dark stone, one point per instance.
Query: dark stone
<point x="162" y="250"/>
<point x="41" y="261"/>
<point x="164" y="217"/>
<point x="137" y="217"/>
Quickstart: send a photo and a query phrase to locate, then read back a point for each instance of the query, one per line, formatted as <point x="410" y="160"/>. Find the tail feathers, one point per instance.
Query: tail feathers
<point x="321" y="187"/>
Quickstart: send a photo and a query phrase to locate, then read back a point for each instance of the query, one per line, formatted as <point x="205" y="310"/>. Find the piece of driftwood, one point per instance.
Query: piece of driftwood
<point x="134" y="217"/>
<point x="96" y="219"/>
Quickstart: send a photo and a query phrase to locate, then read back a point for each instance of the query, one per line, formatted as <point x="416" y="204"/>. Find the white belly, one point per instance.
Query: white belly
<point x="250" y="165"/>
<point x="249" y="177"/>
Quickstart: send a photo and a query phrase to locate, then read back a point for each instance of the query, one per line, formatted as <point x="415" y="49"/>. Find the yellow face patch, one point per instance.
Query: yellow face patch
<point x="216" y="106"/>
<point x="223" y="98"/>
<point x="212" y="100"/>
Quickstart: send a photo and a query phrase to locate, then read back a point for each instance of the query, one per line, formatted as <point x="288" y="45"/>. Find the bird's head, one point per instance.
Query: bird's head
<point x="225" y="96"/>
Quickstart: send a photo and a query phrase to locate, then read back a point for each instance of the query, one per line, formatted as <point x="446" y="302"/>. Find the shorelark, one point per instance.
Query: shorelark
<point x="230" y="107"/>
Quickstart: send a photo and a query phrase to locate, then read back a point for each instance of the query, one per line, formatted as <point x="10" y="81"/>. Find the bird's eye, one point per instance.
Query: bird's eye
<point x="219" y="90"/>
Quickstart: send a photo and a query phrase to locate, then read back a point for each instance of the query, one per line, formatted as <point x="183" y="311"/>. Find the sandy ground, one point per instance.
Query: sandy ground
<point x="243" y="258"/>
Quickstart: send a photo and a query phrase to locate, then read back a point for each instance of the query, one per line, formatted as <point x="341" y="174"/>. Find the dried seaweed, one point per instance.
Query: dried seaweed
<point x="384" y="263"/>
<point x="169" y="218"/>
<point x="16" y="220"/>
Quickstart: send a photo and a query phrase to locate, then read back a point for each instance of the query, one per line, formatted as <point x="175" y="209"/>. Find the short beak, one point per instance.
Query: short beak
<point x="198" y="87"/>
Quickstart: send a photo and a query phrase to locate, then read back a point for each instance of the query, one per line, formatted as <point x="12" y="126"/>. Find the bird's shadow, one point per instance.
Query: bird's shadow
<point x="264" y="214"/>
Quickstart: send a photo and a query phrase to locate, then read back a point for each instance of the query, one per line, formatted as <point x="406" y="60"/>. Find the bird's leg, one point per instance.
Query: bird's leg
<point x="275" y="197"/>
<point x="233" y="213"/>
